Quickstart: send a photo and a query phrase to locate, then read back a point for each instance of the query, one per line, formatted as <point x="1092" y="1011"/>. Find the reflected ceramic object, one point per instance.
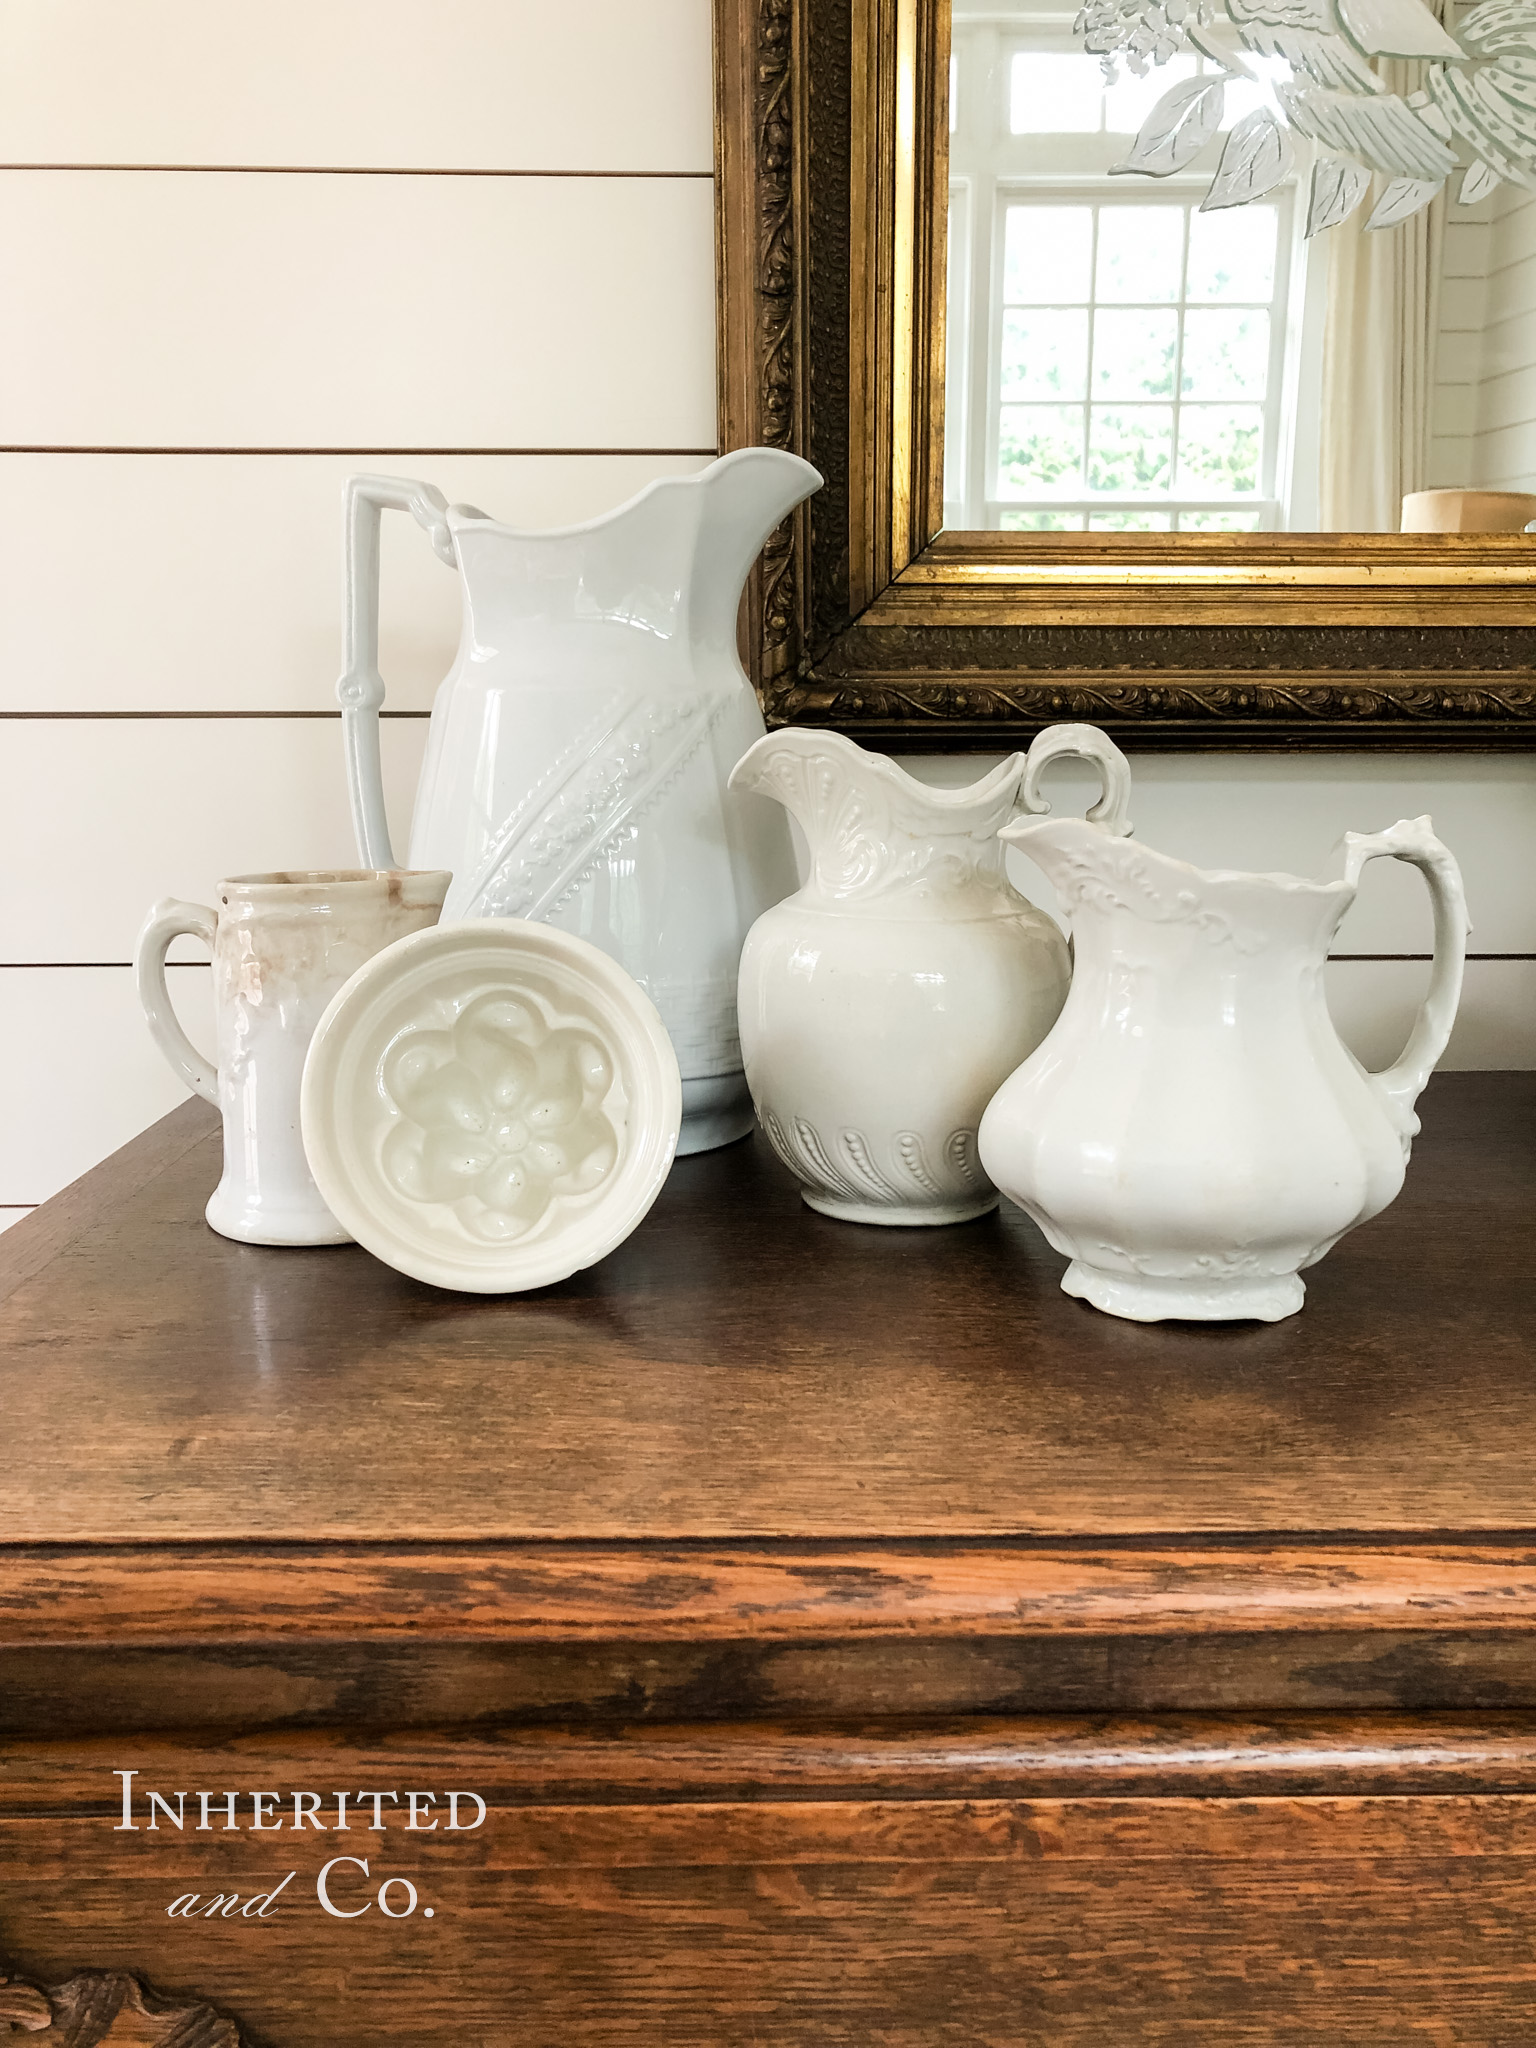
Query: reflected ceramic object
<point x="884" y="1002"/>
<point x="578" y="752"/>
<point x="491" y="1106"/>
<point x="1468" y="511"/>
<point x="1193" y="1133"/>
<point x="283" y="944"/>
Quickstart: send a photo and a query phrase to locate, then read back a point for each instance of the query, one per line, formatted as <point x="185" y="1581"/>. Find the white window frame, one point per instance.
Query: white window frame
<point x="1096" y="194"/>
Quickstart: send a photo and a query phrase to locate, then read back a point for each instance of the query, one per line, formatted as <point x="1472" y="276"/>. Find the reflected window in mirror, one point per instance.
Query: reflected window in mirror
<point x="1241" y="342"/>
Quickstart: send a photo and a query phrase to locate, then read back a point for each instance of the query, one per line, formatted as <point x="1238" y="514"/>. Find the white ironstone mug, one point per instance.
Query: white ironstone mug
<point x="283" y="944"/>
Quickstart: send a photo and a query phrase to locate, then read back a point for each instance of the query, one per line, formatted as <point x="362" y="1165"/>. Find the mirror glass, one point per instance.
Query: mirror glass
<point x="1242" y="265"/>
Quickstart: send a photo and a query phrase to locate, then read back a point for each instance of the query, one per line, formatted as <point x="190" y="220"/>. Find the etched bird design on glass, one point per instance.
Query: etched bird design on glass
<point x="1319" y="67"/>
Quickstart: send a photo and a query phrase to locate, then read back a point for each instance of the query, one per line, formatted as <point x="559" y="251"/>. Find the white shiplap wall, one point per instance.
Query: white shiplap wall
<point x="248" y="250"/>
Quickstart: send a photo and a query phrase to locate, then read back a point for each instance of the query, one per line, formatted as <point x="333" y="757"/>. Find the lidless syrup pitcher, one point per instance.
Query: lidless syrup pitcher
<point x="579" y="747"/>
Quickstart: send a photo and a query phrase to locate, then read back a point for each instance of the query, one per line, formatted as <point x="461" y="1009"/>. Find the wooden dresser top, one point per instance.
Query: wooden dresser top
<point x="746" y="1368"/>
<point x="760" y="1463"/>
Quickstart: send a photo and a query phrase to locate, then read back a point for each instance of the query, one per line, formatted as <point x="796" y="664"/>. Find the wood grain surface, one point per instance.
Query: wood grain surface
<point x="135" y="1596"/>
<point x="743" y="1367"/>
<point x="1021" y="1884"/>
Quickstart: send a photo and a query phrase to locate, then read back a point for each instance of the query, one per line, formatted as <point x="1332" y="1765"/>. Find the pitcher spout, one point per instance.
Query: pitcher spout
<point x="874" y="830"/>
<point x="743" y="497"/>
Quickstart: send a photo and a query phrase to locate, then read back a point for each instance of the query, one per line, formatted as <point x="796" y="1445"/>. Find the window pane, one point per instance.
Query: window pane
<point x="1131" y="522"/>
<point x="1232" y="253"/>
<point x="1219" y="522"/>
<point x="1041" y="522"/>
<point x="1055" y="93"/>
<point x="1130" y="99"/>
<point x="1045" y="355"/>
<point x="1226" y="355"/>
<point x="1040" y="449"/>
<point x="1133" y="354"/>
<point x="1220" y="447"/>
<point x="1130" y="448"/>
<point x="1047" y="255"/>
<point x="1141" y="252"/>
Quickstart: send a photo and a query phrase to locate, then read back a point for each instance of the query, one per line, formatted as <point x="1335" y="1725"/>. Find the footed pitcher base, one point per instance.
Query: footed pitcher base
<point x="251" y="1225"/>
<point x="875" y="1212"/>
<point x="1267" y="1299"/>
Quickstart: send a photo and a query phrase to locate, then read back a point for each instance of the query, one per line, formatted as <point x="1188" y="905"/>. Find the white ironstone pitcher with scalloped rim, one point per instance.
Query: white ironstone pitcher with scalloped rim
<point x="884" y="1002"/>
<point x="579" y="748"/>
<point x="1193" y="1132"/>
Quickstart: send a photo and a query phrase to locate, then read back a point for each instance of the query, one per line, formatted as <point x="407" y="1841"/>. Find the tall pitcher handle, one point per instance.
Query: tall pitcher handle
<point x="1082" y="743"/>
<point x="361" y="688"/>
<point x="1413" y="839"/>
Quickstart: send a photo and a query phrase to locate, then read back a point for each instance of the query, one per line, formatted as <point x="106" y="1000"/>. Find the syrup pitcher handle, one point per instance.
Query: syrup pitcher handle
<point x="1413" y="839"/>
<point x="1082" y="743"/>
<point x="167" y="921"/>
<point x="361" y="688"/>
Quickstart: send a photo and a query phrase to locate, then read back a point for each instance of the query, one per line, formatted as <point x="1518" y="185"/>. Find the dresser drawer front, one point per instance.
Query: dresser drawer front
<point x="979" y="1882"/>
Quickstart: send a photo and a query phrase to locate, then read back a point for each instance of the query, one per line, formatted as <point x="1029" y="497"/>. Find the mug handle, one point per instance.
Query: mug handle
<point x="361" y="688"/>
<point x="1082" y="743"/>
<point x="1413" y="840"/>
<point x="167" y="921"/>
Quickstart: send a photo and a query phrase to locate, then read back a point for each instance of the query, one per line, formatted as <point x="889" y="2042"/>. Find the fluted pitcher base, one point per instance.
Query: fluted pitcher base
<point x="1269" y="1298"/>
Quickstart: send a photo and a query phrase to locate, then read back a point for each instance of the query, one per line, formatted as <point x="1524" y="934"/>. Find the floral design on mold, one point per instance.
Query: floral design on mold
<point x="500" y="1116"/>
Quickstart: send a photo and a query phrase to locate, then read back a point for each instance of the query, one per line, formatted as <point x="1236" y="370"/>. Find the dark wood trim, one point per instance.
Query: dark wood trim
<point x="137" y="1595"/>
<point x="1180" y="1756"/>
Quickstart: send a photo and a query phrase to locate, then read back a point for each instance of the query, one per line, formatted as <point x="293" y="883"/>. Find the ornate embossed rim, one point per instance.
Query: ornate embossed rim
<point x="833" y="112"/>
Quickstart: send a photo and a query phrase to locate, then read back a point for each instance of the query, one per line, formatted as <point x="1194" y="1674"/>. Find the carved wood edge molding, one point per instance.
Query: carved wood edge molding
<point x="1405" y="707"/>
<point x="107" y="2009"/>
<point x="759" y="291"/>
<point x="566" y="1593"/>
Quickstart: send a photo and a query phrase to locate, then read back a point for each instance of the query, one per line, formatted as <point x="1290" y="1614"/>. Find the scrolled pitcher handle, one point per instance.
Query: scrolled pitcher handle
<point x="1082" y="743"/>
<point x="361" y="688"/>
<point x="1413" y="840"/>
<point x="167" y="921"/>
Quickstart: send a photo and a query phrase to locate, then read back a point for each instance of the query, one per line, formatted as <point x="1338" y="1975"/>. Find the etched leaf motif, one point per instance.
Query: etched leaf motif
<point x="1257" y="156"/>
<point x="1177" y="129"/>
<point x="1338" y="186"/>
<point x="1404" y="196"/>
<point x="1480" y="180"/>
<point x="1491" y="102"/>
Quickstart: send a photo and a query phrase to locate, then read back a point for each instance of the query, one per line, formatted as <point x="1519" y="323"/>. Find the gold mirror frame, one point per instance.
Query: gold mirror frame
<point x="831" y="148"/>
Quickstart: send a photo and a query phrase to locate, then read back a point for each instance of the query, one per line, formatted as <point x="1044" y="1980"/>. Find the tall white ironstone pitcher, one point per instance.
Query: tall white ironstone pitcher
<point x="579" y="747"/>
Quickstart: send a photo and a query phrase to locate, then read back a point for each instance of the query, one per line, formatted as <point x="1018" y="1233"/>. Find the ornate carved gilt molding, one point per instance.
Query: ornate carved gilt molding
<point x="831" y="145"/>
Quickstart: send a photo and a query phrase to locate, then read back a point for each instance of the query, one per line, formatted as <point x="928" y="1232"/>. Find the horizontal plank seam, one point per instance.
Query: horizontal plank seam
<point x="371" y="448"/>
<point x="360" y="171"/>
<point x="77" y="716"/>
